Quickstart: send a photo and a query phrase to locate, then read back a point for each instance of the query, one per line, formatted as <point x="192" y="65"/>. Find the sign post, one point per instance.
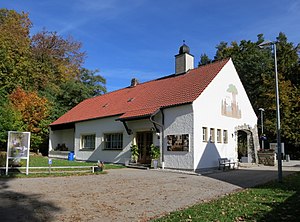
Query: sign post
<point x="50" y="164"/>
<point x="18" y="146"/>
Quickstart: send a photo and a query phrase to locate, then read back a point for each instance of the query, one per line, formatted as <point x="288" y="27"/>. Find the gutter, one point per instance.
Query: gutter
<point x="161" y="125"/>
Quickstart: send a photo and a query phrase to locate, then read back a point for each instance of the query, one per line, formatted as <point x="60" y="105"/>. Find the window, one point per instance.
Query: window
<point x="225" y="136"/>
<point x="219" y="136"/>
<point x="88" y="141"/>
<point x="204" y="134"/>
<point x="212" y="135"/>
<point x="178" y="142"/>
<point x="113" y="141"/>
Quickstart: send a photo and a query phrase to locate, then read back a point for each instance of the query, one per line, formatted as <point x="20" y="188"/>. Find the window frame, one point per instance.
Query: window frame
<point x="212" y="137"/>
<point x="219" y="136"/>
<point x="204" y="134"/>
<point x="117" y="142"/>
<point x="83" y="141"/>
<point x="225" y="136"/>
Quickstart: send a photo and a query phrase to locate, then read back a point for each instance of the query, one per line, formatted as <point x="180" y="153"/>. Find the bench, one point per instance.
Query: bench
<point x="225" y="162"/>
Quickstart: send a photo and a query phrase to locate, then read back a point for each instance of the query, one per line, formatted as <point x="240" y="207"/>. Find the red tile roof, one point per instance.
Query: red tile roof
<point x="145" y="98"/>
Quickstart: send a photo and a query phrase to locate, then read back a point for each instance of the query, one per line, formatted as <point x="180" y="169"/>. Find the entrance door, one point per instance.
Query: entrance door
<point x="144" y="141"/>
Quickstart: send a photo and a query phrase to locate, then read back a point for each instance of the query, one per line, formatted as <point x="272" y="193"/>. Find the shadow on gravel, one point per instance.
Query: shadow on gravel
<point x="20" y="207"/>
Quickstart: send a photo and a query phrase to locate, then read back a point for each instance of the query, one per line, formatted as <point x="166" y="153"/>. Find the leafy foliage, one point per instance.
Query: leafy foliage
<point x="154" y="151"/>
<point x="34" y="112"/>
<point x="134" y="152"/>
<point x="58" y="59"/>
<point x="11" y="120"/>
<point x="14" y="49"/>
<point x="204" y="59"/>
<point x="41" y="77"/>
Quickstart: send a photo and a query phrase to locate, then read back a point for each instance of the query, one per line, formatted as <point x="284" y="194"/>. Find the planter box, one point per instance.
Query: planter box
<point x="267" y="158"/>
<point x="154" y="163"/>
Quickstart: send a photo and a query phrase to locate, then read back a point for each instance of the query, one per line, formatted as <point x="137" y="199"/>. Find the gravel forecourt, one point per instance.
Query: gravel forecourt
<point x="123" y="194"/>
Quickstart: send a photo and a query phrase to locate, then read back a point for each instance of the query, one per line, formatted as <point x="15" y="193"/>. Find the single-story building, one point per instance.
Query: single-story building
<point x="193" y="115"/>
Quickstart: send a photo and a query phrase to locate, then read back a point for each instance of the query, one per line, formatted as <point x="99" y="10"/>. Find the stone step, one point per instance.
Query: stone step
<point x="139" y="166"/>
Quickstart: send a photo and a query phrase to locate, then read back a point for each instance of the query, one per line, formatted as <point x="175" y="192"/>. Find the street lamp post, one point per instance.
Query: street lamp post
<point x="265" y="43"/>
<point x="262" y="128"/>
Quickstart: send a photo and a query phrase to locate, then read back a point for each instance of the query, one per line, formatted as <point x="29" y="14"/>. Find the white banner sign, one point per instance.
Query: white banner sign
<point x="18" y="145"/>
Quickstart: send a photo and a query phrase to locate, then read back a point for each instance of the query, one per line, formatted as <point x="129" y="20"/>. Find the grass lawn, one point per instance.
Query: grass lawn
<point x="268" y="202"/>
<point x="40" y="161"/>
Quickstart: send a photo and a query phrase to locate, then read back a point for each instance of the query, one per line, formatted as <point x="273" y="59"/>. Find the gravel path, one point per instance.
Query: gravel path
<point x="120" y="195"/>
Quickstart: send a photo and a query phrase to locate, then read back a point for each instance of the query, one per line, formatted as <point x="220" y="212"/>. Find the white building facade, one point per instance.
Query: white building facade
<point x="192" y="133"/>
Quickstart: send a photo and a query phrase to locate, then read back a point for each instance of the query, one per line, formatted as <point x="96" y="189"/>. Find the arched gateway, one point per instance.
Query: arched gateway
<point x="247" y="143"/>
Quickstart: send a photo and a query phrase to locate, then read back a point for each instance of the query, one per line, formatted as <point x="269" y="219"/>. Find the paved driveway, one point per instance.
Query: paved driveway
<point x="121" y="195"/>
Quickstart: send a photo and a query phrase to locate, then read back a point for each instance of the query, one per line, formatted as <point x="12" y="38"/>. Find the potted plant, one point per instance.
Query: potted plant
<point x="134" y="153"/>
<point x="155" y="154"/>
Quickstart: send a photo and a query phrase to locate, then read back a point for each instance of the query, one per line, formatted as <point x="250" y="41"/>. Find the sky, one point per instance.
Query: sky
<point x="127" y="39"/>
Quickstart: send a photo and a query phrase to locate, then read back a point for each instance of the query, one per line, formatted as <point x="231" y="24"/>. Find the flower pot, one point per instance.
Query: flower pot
<point x="154" y="163"/>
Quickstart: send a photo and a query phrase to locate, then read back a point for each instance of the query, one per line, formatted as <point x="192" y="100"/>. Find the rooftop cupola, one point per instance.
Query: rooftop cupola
<point x="184" y="61"/>
<point x="184" y="49"/>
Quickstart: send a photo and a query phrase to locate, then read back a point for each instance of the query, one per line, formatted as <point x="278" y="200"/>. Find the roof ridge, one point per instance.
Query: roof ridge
<point x="164" y="77"/>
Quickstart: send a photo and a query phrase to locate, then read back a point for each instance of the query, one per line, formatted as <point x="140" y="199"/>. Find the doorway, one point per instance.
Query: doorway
<point x="246" y="150"/>
<point x="242" y="145"/>
<point x="144" y="141"/>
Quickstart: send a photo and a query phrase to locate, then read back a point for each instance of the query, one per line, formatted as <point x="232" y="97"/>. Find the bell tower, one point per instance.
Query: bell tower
<point x="184" y="61"/>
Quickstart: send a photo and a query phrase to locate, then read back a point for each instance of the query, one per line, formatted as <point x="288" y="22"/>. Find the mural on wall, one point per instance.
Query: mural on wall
<point x="230" y="105"/>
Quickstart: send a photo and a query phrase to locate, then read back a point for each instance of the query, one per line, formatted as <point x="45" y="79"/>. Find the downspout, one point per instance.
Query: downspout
<point x="161" y="125"/>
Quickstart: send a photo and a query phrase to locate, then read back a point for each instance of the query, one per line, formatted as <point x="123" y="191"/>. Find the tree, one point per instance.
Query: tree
<point x="14" y="49"/>
<point x="94" y="83"/>
<point x="204" y="59"/>
<point x="57" y="59"/>
<point x="34" y="112"/>
<point x="11" y="120"/>
<point x="41" y="77"/>
<point x="74" y="91"/>
<point x="288" y="59"/>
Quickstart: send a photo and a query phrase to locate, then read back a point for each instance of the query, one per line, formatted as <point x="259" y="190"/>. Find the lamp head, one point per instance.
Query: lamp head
<point x="266" y="43"/>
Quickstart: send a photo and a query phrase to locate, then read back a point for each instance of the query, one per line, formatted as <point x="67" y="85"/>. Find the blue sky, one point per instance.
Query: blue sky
<point x="139" y="38"/>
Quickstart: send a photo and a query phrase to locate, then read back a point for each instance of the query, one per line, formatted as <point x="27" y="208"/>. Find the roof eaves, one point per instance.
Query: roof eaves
<point x="83" y="120"/>
<point x="134" y="117"/>
<point x="178" y="104"/>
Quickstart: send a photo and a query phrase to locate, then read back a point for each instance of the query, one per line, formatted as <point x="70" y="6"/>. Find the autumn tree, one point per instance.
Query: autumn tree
<point x="41" y="77"/>
<point x="34" y="112"/>
<point x="57" y="60"/>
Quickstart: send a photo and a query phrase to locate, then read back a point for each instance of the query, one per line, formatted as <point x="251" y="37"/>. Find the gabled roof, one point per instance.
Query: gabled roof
<point x="145" y="98"/>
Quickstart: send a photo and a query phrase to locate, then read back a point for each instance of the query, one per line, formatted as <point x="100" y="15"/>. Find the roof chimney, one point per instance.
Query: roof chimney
<point x="184" y="61"/>
<point x="134" y="82"/>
